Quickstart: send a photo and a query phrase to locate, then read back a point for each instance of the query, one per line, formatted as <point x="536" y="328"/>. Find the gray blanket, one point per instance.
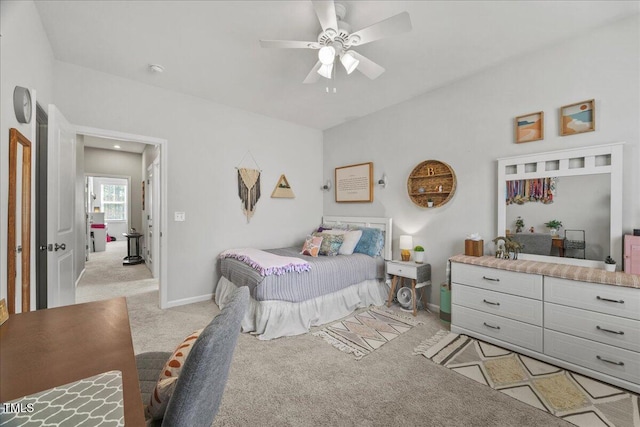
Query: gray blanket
<point x="327" y="275"/>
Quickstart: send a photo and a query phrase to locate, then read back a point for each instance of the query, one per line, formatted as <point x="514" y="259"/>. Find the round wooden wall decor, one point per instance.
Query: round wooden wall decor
<point x="433" y="180"/>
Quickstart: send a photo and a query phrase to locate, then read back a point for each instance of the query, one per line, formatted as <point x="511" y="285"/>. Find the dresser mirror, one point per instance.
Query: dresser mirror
<point x="585" y="185"/>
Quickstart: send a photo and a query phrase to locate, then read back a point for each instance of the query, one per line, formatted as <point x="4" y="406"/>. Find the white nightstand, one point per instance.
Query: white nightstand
<point x="419" y="274"/>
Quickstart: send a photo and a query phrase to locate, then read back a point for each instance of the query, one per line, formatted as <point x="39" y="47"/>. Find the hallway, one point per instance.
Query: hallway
<point x="105" y="276"/>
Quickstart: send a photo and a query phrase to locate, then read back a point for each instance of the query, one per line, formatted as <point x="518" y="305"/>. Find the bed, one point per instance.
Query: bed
<point x="289" y="304"/>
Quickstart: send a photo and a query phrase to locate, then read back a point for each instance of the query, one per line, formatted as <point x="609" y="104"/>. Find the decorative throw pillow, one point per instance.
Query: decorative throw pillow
<point x="371" y="242"/>
<point x="330" y="243"/>
<point x="169" y="377"/>
<point x="338" y="232"/>
<point x="312" y="246"/>
<point x="351" y="239"/>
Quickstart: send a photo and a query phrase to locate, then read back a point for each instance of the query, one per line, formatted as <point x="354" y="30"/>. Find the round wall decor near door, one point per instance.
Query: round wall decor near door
<point x="431" y="183"/>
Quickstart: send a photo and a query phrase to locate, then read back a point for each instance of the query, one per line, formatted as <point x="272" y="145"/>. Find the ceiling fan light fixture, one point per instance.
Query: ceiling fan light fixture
<point x="327" y="55"/>
<point x="349" y="62"/>
<point x="325" y="70"/>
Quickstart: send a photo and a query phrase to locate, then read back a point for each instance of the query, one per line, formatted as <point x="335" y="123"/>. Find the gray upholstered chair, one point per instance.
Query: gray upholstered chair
<point x="201" y="383"/>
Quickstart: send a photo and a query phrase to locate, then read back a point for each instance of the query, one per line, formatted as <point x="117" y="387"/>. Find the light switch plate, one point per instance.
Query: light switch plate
<point x="178" y="216"/>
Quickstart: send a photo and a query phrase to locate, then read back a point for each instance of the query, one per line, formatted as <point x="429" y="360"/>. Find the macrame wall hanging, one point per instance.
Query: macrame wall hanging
<point x="248" y="187"/>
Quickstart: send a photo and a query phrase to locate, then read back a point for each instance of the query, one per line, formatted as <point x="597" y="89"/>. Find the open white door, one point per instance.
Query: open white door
<point x="61" y="204"/>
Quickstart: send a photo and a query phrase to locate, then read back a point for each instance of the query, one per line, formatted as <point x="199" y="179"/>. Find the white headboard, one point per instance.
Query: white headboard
<point x="384" y="224"/>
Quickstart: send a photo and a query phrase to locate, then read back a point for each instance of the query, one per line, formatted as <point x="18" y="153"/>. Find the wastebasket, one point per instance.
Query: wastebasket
<point x="445" y="303"/>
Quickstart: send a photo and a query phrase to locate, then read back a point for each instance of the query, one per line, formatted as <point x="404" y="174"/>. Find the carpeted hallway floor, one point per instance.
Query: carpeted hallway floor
<point x="105" y="276"/>
<point x="303" y="381"/>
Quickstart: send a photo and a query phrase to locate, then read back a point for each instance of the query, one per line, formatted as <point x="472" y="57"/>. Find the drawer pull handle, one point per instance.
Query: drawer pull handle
<point x="491" y="326"/>
<point x="489" y="302"/>
<point x="610" y="361"/>
<point x="489" y="278"/>
<point x="610" y="331"/>
<point x="619" y="301"/>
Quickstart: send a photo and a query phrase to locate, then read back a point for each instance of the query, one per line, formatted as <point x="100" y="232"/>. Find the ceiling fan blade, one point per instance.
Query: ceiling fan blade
<point x="289" y="44"/>
<point x="367" y="66"/>
<point x="397" y="24"/>
<point x="313" y="75"/>
<point x="326" y="12"/>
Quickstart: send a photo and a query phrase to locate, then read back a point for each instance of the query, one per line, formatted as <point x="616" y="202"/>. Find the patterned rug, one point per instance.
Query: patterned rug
<point x="362" y="333"/>
<point x="579" y="400"/>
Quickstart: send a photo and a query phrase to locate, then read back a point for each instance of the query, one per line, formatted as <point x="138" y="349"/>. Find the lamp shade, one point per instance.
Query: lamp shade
<point x="406" y="242"/>
<point x="349" y="62"/>
<point x="327" y="54"/>
<point x="325" y="70"/>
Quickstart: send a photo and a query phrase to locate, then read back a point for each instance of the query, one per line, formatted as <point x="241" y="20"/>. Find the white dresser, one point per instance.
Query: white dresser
<point x="589" y="328"/>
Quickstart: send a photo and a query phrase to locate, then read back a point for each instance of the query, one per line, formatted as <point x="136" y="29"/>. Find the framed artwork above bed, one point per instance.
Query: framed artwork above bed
<point x="354" y="183"/>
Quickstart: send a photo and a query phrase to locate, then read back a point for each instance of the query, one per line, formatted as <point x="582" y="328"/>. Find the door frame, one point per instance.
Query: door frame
<point x="163" y="237"/>
<point x="107" y="175"/>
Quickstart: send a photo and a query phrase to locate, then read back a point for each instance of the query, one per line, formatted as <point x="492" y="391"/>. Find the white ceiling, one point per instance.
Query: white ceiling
<point x="109" y="144"/>
<point x="210" y="49"/>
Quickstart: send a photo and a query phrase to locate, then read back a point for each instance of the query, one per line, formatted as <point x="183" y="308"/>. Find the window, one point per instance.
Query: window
<point x="114" y="202"/>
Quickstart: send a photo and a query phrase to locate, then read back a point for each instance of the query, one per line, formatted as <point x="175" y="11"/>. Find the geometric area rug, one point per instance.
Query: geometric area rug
<point x="575" y="398"/>
<point x="362" y="333"/>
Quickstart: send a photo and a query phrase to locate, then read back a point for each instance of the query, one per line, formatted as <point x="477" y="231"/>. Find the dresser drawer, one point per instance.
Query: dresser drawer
<point x="513" y="307"/>
<point x="510" y="282"/>
<point x="603" y="358"/>
<point x="500" y="328"/>
<point x="604" y="328"/>
<point x="608" y="299"/>
<point x="402" y="270"/>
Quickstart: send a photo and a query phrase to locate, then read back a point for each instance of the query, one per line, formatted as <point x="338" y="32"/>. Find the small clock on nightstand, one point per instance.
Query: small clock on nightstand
<point x="22" y="104"/>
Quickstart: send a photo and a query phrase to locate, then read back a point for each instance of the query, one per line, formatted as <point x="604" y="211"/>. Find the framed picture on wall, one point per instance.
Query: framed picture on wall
<point x="578" y="118"/>
<point x="354" y="183"/>
<point x="530" y="127"/>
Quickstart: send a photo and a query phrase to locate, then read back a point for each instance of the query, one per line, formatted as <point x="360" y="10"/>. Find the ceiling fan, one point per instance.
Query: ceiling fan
<point x="336" y="40"/>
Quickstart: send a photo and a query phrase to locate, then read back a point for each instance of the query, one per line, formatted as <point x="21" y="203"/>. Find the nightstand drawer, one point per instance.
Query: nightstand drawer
<point x="509" y="282"/>
<point x="408" y="271"/>
<point x="510" y="306"/>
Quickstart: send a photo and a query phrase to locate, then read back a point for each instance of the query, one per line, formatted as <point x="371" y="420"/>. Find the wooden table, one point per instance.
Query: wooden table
<point x="558" y="242"/>
<point x="43" y="349"/>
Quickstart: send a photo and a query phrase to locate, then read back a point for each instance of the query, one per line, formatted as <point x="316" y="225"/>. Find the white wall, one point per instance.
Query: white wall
<point x="206" y="142"/>
<point x="470" y="123"/>
<point x="26" y="59"/>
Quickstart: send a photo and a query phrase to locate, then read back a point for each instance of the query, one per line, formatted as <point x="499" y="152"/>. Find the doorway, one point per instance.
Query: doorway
<point x="154" y="152"/>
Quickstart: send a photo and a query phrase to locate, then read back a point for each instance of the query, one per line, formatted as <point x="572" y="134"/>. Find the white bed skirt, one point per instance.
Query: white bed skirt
<point x="273" y="319"/>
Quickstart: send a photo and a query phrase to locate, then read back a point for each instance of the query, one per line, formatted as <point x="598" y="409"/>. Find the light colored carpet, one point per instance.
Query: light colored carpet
<point x="106" y="266"/>
<point x="302" y="381"/>
<point x="575" y="398"/>
<point x="95" y="292"/>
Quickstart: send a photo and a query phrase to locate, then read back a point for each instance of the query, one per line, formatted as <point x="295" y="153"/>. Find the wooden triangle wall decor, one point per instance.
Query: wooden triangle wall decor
<point x="283" y="189"/>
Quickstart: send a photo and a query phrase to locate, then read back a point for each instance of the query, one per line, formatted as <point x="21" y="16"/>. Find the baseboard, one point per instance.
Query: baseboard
<point x="433" y="308"/>
<point x="191" y="300"/>
<point x="80" y="276"/>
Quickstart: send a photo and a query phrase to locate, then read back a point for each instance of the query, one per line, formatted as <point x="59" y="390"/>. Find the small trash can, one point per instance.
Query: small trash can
<point x="445" y="303"/>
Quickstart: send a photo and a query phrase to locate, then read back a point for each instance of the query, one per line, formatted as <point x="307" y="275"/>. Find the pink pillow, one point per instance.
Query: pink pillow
<point x="312" y="246"/>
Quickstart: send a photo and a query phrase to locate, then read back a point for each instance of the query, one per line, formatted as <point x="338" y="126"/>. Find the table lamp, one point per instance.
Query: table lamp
<point x="406" y="244"/>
